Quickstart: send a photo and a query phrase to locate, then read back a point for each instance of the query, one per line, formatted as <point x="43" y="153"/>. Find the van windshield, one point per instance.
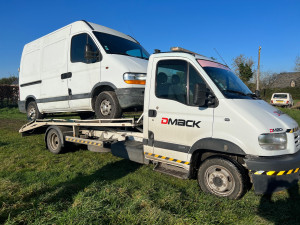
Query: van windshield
<point x="228" y="83"/>
<point x="116" y="45"/>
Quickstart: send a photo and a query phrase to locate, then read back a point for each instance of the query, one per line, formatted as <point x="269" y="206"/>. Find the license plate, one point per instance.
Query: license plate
<point x="279" y="101"/>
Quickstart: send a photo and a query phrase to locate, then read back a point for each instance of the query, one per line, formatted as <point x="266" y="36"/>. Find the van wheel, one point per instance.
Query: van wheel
<point x="33" y="112"/>
<point x="222" y="177"/>
<point x="107" y="106"/>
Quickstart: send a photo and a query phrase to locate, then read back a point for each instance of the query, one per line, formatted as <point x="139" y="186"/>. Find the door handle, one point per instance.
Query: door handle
<point x="66" y="75"/>
<point x="152" y="113"/>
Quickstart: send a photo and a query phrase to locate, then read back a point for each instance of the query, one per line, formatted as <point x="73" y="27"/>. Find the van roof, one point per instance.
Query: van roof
<point x="80" y="25"/>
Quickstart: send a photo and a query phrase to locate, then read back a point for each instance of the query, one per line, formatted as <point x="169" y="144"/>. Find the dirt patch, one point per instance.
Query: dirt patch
<point x="11" y="124"/>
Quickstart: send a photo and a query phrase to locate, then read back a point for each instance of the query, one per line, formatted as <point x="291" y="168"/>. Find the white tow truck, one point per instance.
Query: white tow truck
<point x="200" y="121"/>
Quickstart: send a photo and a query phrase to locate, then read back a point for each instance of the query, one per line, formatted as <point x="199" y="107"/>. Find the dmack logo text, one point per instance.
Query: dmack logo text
<point x="180" y="122"/>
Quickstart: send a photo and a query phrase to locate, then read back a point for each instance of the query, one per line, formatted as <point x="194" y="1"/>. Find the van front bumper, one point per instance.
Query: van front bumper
<point x="130" y="97"/>
<point x="274" y="173"/>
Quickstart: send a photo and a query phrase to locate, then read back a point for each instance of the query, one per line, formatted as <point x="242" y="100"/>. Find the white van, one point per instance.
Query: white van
<point x="82" y="67"/>
<point x="282" y="99"/>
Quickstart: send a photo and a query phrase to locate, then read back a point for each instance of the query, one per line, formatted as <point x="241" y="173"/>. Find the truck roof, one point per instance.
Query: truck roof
<point x="184" y="54"/>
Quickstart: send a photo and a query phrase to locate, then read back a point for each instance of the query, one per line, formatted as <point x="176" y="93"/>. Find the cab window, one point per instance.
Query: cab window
<point x="78" y="45"/>
<point x="176" y="80"/>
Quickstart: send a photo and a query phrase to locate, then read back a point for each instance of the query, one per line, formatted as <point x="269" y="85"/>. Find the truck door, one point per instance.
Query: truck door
<point x="83" y="70"/>
<point x="175" y="123"/>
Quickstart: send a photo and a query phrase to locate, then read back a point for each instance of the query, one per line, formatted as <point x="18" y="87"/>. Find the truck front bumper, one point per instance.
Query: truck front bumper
<point x="274" y="173"/>
<point x="130" y="97"/>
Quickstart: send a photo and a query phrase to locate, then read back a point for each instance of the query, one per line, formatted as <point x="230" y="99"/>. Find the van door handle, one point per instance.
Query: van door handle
<point x="152" y="113"/>
<point x="66" y="75"/>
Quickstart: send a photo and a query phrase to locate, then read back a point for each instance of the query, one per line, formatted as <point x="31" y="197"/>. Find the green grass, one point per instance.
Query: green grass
<point x="82" y="187"/>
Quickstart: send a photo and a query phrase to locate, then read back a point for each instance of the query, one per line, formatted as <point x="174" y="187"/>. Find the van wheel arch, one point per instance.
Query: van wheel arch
<point x="98" y="88"/>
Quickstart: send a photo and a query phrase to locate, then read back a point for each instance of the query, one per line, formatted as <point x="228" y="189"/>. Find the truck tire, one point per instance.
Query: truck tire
<point x="107" y="106"/>
<point x="222" y="177"/>
<point x="33" y="112"/>
<point x="53" y="141"/>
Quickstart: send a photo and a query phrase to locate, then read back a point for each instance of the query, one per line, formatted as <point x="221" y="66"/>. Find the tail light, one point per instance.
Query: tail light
<point x="271" y="101"/>
<point x="287" y="102"/>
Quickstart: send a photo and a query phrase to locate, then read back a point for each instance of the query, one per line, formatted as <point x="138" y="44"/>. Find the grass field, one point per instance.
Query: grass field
<point x="82" y="187"/>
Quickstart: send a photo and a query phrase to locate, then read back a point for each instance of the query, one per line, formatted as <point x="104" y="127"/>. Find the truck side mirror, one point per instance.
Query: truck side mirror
<point x="90" y="55"/>
<point x="257" y="93"/>
<point x="199" y="94"/>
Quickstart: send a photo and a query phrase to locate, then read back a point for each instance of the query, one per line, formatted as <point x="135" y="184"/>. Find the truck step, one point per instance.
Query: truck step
<point x="171" y="170"/>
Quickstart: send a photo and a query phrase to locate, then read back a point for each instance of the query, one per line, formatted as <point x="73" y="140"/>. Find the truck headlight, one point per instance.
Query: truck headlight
<point x="275" y="141"/>
<point x="135" y="78"/>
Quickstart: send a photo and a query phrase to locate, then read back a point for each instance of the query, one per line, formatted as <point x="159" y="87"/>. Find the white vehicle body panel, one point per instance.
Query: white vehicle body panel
<point x="45" y="59"/>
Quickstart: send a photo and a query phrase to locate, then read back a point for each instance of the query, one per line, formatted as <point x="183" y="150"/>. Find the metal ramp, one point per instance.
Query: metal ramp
<point x="124" y="122"/>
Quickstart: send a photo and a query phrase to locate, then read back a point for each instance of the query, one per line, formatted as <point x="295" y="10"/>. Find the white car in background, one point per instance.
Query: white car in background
<point x="282" y="99"/>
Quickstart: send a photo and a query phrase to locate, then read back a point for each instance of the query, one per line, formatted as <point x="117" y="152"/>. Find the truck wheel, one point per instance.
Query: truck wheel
<point x="222" y="177"/>
<point x="107" y="106"/>
<point x="54" y="144"/>
<point x="33" y="111"/>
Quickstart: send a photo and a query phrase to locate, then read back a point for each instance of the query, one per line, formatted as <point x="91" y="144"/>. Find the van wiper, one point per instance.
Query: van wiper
<point x="236" y="92"/>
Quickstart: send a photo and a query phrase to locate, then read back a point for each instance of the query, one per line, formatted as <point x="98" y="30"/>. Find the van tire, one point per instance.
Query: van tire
<point x="222" y="177"/>
<point x="107" y="106"/>
<point x="33" y="112"/>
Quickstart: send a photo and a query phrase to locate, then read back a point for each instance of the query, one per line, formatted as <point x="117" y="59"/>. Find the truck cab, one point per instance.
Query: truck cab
<point x="197" y="110"/>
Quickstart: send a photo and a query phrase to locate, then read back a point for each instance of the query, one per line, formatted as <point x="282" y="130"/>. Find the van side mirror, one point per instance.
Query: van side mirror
<point x="199" y="94"/>
<point x="90" y="55"/>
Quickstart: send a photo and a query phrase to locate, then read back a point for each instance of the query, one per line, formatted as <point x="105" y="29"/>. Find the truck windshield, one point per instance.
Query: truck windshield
<point x="228" y="83"/>
<point x="116" y="45"/>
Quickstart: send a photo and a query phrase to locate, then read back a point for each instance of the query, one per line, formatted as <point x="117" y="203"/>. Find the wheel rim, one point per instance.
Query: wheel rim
<point x="54" y="141"/>
<point x="105" y="107"/>
<point x="31" y="113"/>
<point x="219" y="180"/>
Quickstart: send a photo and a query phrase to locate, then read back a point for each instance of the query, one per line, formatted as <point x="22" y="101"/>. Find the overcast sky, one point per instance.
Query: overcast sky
<point x="232" y="27"/>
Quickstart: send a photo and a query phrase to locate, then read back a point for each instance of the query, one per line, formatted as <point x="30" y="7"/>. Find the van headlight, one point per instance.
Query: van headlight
<point x="135" y="78"/>
<point x="276" y="141"/>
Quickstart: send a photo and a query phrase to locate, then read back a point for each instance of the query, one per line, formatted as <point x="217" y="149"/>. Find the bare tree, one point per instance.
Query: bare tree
<point x="297" y="64"/>
<point x="267" y="79"/>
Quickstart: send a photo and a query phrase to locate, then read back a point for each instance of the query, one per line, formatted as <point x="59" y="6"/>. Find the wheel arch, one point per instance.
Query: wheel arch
<point x="210" y="147"/>
<point x="100" y="87"/>
<point x="28" y="99"/>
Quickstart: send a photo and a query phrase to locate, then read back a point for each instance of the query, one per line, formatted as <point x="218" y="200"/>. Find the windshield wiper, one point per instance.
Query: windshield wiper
<point x="236" y="92"/>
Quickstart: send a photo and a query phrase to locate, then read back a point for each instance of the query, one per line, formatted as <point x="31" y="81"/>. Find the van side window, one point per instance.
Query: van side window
<point x="171" y="80"/>
<point x="78" y="45"/>
<point x="194" y="78"/>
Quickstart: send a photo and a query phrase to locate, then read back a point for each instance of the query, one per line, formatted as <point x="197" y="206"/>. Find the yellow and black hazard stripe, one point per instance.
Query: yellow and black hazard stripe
<point x="79" y="141"/>
<point x="275" y="173"/>
<point x="167" y="158"/>
<point x="292" y="130"/>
